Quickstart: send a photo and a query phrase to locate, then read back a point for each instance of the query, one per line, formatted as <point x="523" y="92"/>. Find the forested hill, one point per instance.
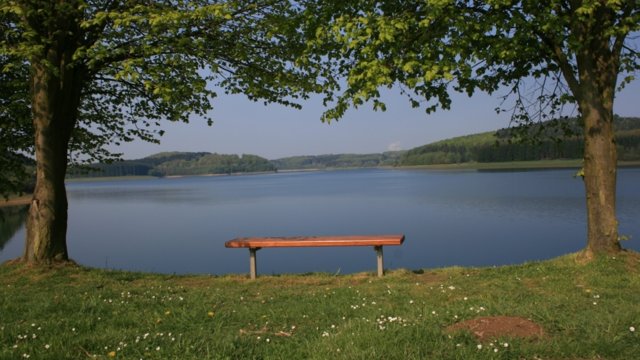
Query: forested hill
<point x="179" y="163"/>
<point x="389" y="158"/>
<point x="557" y="139"/>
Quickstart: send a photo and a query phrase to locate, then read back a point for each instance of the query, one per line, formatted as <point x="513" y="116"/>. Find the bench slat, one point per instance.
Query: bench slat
<point x="315" y="241"/>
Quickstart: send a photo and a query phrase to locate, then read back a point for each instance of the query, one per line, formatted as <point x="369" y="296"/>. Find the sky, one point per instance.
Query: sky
<point x="274" y="131"/>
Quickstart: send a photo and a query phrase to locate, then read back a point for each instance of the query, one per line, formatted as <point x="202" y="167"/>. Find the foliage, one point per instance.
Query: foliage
<point x="539" y="50"/>
<point x="15" y="127"/>
<point x="74" y="312"/>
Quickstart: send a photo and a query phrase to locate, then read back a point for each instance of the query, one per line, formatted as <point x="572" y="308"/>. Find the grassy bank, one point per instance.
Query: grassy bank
<point x="586" y="312"/>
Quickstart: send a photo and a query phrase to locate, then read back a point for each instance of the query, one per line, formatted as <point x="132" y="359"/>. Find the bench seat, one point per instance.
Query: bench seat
<point x="256" y="243"/>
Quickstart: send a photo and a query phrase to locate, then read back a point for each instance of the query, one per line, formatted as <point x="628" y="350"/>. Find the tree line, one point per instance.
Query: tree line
<point x="177" y="163"/>
<point x="202" y="163"/>
<point x="389" y="158"/>
<point x="556" y="139"/>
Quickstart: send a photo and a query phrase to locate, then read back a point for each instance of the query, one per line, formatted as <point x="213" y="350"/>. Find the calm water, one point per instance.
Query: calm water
<point x="449" y="218"/>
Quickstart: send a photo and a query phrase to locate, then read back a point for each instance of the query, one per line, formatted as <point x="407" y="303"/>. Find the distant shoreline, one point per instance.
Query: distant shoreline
<point x="495" y="166"/>
<point x="510" y="165"/>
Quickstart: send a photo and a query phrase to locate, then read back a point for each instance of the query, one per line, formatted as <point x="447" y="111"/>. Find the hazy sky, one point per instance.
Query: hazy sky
<point x="273" y="131"/>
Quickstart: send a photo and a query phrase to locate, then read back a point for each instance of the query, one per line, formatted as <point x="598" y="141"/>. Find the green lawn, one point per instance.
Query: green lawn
<point x="587" y="311"/>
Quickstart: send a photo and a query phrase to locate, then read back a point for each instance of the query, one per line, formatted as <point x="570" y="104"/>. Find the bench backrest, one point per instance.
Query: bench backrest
<point x="315" y="241"/>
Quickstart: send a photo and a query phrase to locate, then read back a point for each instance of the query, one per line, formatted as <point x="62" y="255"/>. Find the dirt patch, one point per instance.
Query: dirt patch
<point x="493" y="327"/>
<point x="195" y="282"/>
<point x="432" y="278"/>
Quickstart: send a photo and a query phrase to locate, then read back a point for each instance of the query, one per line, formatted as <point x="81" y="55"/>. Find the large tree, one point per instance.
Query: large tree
<point x="79" y="75"/>
<point x="548" y="53"/>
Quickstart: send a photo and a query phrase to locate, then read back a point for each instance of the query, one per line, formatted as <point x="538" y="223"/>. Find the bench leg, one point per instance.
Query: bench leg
<point x="253" y="269"/>
<point x="380" y="261"/>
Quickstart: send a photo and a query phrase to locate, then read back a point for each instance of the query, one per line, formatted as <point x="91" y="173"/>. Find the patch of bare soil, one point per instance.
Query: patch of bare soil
<point x="431" y="278"/>
<point x="493" y="327"/>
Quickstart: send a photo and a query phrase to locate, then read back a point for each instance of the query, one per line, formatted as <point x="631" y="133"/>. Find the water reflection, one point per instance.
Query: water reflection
<point x="12" y="219"/>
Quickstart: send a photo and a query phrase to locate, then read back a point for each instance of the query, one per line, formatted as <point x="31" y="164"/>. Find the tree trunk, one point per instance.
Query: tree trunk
<point x="600" y="163"/>
<point x="56" y="86"/>
<point x="55" y="101"/>
<point x="47" y="219"/>
<point x="597" y="64"/>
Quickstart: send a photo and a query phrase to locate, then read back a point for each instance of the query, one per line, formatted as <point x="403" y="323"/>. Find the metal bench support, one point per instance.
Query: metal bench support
<point x="253" y="268"/>
<point x="380" y="260"/>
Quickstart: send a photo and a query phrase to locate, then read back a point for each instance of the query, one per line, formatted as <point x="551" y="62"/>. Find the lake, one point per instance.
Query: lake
<point x="467" y="218"/>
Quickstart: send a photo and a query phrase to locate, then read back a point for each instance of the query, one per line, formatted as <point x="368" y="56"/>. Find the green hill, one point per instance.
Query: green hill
<point x="552" y="140"/>
<point x="450" y="151"/>
<point x="178" y="163"/>
<point x="212" y="164"/>
<point x="389" y="158"/>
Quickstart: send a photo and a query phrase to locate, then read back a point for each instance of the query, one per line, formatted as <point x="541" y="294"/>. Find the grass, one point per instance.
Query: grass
<point x="588" y="311"/>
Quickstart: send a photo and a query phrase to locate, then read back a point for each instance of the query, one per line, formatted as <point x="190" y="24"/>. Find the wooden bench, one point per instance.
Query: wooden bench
<point x="256" y="243"/>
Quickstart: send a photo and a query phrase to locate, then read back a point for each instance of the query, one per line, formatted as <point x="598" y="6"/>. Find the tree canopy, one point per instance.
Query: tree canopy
<point x="143" y="62"/>
<point x="541" y="51"/>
